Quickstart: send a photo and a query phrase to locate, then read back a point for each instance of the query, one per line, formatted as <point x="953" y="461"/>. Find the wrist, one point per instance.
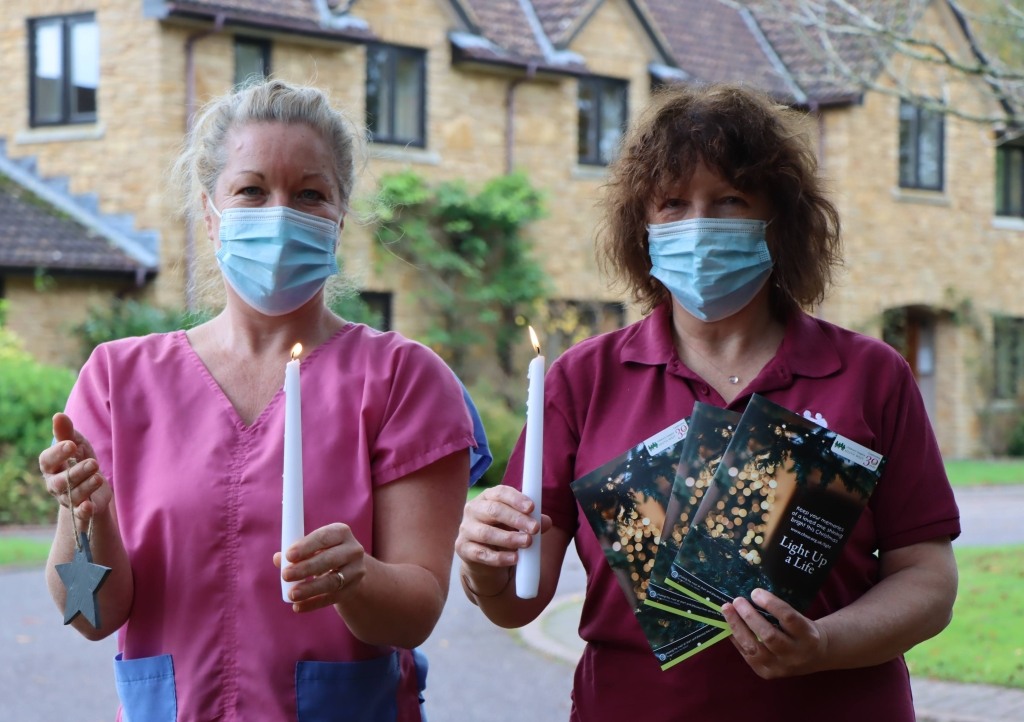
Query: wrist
<point x="485" y="589"/>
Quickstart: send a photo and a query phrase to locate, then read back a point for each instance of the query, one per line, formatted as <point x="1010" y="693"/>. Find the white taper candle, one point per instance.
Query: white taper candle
<point x="292" y="524"/>
<point x="528" y="568"/>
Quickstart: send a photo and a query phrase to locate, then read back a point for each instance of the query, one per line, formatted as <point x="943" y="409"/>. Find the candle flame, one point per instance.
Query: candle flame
<point x="534" y="340"/>
<point x="296" y="350"/>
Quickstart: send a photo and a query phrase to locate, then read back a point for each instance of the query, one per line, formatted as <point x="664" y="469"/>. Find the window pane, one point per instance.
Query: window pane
<point x="1014" y="201"/>
<point x="1009" y="357"/>
<point x="378" y="112"/>
<point x="930" y="150"/>
<point x="47" y="73"/>
<point x="85" y="68"/>
<point x="250" y="60"/>
<point x="587" y="132"/>
<point x="1001" y="353"/>
<point x="408" y="96"/>
<point x="613" y="119"/>
<point x="908" y="145"/>
<point x="580" y="319"/>
<point x="1002" y="206"/>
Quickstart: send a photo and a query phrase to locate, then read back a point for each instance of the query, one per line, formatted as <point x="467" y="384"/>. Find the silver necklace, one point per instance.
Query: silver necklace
<point x="732" y="378"/>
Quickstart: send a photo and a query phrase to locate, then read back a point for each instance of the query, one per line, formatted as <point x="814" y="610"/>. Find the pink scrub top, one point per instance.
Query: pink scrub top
<point x="612" y="391"/>
<point x="198" y="495"/>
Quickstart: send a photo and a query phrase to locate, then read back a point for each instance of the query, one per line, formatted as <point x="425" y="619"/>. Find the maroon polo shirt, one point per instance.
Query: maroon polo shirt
<point x="612" y="391"/>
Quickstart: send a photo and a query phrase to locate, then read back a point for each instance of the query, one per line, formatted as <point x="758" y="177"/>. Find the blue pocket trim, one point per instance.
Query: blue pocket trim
<point x="146" y="688"/>
<point x="419" y="660"/>
<point x="364" y="691"/>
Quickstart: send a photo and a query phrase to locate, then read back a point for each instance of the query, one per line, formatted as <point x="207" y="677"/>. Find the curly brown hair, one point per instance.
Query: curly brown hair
<point x="756" y="145"/>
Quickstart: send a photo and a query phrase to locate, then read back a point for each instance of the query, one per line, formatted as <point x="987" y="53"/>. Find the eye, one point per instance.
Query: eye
<point x="250" y="191"/>
<point x="311" y="195"/>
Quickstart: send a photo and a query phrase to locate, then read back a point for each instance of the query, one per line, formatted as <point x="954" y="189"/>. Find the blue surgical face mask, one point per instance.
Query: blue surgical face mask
<point x="712" y="266"/>
<point x="276" y="259"/>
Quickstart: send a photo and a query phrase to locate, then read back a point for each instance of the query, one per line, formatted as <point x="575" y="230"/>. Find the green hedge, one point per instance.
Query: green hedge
<point x="32" y="393"/>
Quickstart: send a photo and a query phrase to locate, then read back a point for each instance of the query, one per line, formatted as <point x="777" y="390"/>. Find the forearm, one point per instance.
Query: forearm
<point x="404" y="583"/>
<point x="493" y="589"/>
<point x="908" y="606"/>
<point x="114" y="598"/>
<point x="393" y="605"/>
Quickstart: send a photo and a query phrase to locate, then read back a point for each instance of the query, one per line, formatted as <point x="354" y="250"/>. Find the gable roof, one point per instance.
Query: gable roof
<point x="35" y="235"/>
<point x="562" y="19"/>
<point x="826" y="53"/>
<point x="510" y="32"/>
<point x="711" y="41"/>
<point x="304" y="17"/>
<point x="761" y="42"/>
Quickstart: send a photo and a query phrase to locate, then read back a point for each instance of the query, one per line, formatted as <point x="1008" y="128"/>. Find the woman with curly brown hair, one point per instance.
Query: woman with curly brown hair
<point x="717" y="225"/>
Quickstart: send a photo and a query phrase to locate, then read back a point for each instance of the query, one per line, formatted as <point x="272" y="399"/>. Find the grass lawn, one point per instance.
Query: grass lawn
<point x="985" y="641"/>
<point x="986" y="472"/>
<point x="22" y="552"/>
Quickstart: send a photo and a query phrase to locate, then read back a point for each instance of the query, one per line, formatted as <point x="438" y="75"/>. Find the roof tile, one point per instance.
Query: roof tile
<point x="35" y="235"/>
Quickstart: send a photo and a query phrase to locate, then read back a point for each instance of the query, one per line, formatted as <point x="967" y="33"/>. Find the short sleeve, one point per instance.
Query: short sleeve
<point x="424" y="416"/>
<point x="88" y="407"/>
<point x="480" y="457"/>
<point x="913" y="501"/>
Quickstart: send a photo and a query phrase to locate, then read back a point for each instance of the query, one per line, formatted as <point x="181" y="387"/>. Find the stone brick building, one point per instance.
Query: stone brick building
<point x="99" y="93"/>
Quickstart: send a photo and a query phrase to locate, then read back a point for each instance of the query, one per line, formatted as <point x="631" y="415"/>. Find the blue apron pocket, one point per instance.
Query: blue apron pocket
<point x="146" y="689"/>
<point x="419" y="659"/>
<point x="364" y="691"/>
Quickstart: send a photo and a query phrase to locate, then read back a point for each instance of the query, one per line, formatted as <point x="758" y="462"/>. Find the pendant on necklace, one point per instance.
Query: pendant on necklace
<point x="734" y="379"/>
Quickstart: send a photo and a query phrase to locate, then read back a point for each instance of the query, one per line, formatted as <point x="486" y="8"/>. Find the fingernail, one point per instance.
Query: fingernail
<point x="66" y="448"/>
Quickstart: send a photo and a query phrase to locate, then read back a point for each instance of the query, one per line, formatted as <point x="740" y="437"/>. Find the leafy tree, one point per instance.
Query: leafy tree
<point x="477" y="275"/>
<point x="865" y="45"/>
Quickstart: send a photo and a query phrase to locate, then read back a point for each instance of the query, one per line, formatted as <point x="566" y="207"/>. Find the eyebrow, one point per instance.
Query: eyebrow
<point x="259" y="174"/>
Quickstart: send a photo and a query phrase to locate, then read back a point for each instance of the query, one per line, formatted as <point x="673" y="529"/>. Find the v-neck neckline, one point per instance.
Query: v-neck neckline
<point x="185" y="345"/>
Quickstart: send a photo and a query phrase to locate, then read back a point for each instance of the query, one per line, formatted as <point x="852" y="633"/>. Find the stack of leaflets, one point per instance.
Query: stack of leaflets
<point x="624" y="500"/>
<point x="719" y="504"/>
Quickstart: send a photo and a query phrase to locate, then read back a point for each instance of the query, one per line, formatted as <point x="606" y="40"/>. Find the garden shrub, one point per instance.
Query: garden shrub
<point x="503" y="426"/>
<point x="32" y="393"/>
<point x="125" y="317"/>
<point x="1015" y="442"/>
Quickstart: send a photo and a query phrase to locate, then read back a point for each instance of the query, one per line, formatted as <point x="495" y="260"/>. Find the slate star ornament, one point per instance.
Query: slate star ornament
<point x="83" y="580"/>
